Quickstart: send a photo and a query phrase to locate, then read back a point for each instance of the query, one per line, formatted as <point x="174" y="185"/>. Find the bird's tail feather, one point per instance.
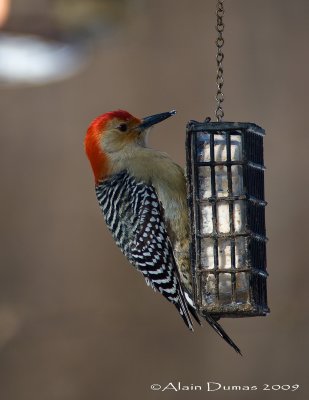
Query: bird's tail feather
<point x="218" y="328"/>
<point x="183" y="308"/>
<point x="189" y="304"/>
<point x="194" y="313"/>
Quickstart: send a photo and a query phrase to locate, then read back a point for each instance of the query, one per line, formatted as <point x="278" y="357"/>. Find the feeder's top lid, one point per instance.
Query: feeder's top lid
<point x="195" y="126"/>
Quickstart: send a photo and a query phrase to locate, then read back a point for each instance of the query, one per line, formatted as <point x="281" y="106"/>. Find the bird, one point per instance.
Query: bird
<point x="142" y="195"/>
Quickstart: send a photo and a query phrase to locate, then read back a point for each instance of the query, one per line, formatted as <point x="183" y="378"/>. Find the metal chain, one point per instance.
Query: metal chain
<point x="220" y="56"/>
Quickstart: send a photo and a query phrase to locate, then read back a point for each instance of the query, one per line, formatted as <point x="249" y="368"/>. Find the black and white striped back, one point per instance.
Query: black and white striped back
<point x="135" y="217"/>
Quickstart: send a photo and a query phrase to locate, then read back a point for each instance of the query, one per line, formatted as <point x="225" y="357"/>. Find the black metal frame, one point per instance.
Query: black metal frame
<point x="254" y="233"/>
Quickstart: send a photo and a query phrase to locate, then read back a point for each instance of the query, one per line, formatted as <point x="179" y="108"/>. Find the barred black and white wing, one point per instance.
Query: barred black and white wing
<point x="135" y="217"/>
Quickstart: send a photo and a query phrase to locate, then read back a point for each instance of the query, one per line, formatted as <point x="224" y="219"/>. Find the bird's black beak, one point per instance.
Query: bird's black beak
<point x="154" y="119"/>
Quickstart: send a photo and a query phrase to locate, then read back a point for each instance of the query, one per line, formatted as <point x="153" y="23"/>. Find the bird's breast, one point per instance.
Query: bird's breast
<point x="157" y="169"/>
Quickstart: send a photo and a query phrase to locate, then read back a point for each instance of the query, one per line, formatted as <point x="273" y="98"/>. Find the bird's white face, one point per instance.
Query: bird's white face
<point x="124" y="132"/>
<point x="123" y="135"/>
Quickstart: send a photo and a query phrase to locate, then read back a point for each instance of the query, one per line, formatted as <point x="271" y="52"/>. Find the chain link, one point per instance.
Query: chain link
<point x="220" y="57"/>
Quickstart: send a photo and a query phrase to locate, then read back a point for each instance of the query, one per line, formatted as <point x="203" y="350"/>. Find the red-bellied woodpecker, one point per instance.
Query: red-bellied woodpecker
<point x="142" y="195"/>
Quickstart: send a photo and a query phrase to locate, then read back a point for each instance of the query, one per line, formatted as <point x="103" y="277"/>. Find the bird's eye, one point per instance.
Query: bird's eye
<point x="123" y="127"/>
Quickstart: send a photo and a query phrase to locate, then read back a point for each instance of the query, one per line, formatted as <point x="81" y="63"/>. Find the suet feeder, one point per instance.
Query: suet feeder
<point x="225" y="175"/>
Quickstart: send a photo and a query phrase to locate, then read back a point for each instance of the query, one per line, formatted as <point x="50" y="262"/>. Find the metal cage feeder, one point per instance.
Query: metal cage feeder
<point x="225" y="175"/>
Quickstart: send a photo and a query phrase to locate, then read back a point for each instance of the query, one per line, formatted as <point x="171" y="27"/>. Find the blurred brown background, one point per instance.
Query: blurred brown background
<point x="76" y="321"/>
